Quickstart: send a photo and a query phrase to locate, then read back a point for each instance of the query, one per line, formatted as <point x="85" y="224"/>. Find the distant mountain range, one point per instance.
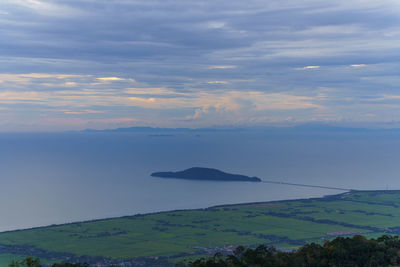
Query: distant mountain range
<point x="198" y="173"/>
<point x="158" y="130"/>
<point x="317" y="128"/>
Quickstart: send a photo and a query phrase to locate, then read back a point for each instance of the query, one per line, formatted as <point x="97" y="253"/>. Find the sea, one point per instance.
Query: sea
<point x="55" y="178"/>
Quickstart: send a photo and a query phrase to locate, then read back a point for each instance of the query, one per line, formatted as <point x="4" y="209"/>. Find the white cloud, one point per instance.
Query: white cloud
<point x="217" y="82"/>
<point x="113" y="79"/>
<point x="47" y="8"/>
<point x="311" y="67"/>
<point x="335" y="30"/>
<point x="357" y="65"/>
<point x="86" y="111"/>
<point x="222" y="67"/>
<point x="216" y="24"/>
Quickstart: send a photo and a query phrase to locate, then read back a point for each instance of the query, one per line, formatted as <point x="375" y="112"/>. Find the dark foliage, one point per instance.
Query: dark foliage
<point x="34" y="262"/>
<point x="70" y="265"/>
<point x="28" y="262"/>
<point x="356" y="251"/>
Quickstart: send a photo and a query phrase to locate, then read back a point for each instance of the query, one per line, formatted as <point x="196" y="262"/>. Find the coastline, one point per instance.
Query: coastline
<point x="167" y="235"/>
<point x="189" y="209"/>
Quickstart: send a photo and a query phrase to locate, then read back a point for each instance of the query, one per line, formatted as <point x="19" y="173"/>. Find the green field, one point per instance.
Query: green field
<point x="176" y="234"/>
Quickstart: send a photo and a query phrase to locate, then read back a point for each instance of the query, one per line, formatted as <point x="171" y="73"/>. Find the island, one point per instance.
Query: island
<point x="209" y="174"/>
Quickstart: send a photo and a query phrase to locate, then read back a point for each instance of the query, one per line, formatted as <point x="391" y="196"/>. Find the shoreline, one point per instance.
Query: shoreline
<point x="189" y="209"/>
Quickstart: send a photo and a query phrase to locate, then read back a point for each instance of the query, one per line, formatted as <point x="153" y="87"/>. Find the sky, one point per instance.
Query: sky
<point x="78" y="64"/>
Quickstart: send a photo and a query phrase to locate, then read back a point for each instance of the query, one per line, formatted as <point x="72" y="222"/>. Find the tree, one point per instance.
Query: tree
<point x="27" y="262"/>
<point x="354" y="251"/>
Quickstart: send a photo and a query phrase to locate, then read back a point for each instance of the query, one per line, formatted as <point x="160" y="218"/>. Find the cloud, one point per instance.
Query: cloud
<point x="86" y="111"/>
<point x="152" y="91"/>
<point x="357" y="65"/>
<point x="110" y="79"/>
<point x="234" y="61"/>
<point x="310" y="67"/>
<point x="45" y="7"/>
<point x="113" y="79"/>
<point x="18" y="97"/>
<point x="217" y="82"/>
<point x="24" y="80"/>
<point x="156" y="98"/>
<point x="222" y="67"/>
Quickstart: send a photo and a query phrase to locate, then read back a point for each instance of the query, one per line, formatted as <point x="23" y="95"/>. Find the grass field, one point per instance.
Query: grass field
<point x="175" y="234"/>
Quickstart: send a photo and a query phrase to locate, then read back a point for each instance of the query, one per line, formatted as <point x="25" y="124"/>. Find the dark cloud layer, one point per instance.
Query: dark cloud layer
<point x="332" y="61"/>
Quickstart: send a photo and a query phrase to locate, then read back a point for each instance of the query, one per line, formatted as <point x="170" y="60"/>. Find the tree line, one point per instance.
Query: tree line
<point x="35" y="262"/>
<point x="356" y="251"/>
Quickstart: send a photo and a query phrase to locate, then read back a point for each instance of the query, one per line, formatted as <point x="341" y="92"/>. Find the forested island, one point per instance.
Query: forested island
<point x="209" y="174"/>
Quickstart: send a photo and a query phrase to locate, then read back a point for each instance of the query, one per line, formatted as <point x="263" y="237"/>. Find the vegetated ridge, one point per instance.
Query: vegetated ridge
<point x="198" y="173"/>
<point x="342" y="251"/>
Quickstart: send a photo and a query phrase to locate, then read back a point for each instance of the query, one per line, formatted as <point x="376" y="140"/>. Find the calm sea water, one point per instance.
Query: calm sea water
<point x="57" y="178"/>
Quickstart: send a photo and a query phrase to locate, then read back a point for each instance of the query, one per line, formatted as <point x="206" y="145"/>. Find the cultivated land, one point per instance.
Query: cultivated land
<point x="176" y="234"/>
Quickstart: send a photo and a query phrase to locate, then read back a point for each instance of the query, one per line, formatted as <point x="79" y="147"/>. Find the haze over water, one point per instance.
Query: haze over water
<point x="66" y="177"/>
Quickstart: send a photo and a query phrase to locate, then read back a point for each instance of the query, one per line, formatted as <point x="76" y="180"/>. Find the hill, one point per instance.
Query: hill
<point x="198" y="173"/>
